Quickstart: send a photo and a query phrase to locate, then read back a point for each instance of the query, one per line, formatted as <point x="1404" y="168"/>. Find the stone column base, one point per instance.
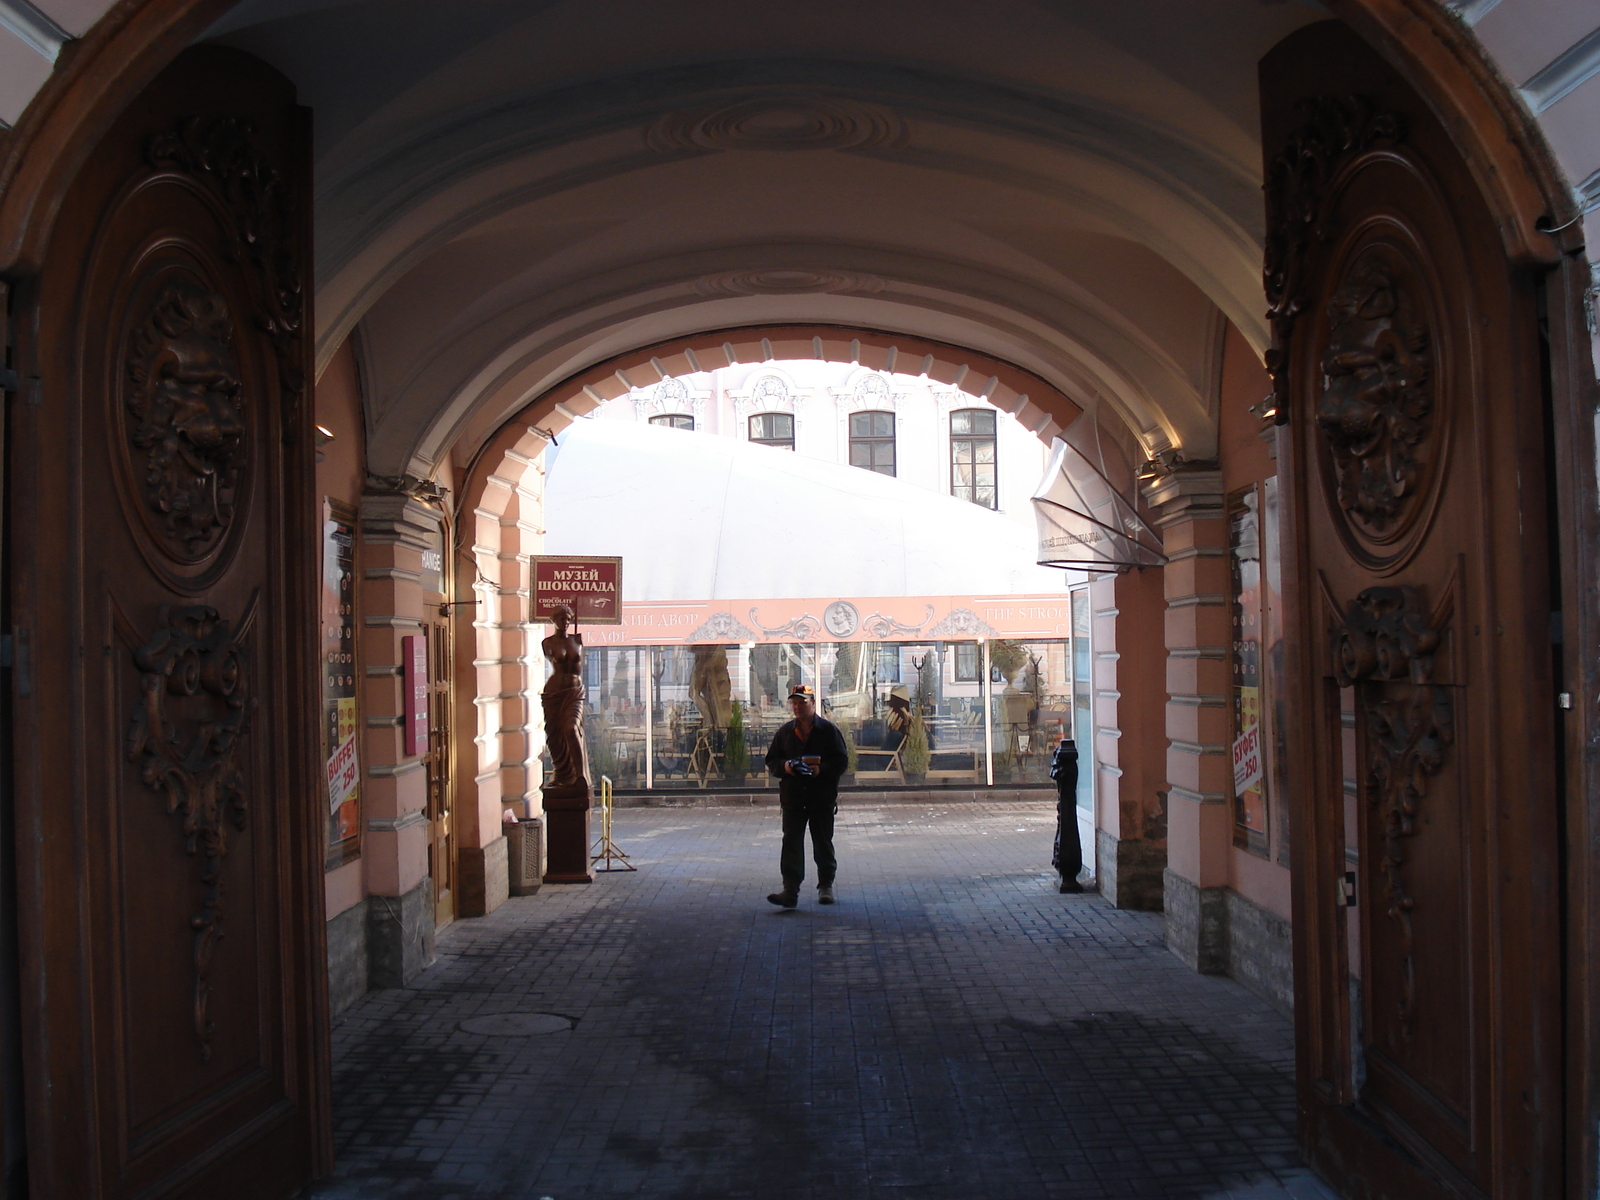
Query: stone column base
<point x="399" y="936"/>
<point x="483" y="878"/>
<point x="1197" y="924"/>
<point x="347" y="957"/>
<point x="1129" y="871"/>
<point x="1216" y="931"/>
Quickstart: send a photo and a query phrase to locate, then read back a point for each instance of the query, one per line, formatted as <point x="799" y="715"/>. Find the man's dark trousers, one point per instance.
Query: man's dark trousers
<point x="797" y="814"/>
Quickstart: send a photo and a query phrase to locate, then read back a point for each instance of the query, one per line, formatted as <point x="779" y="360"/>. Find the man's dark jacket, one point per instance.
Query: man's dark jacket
<point x="825" y="741"/>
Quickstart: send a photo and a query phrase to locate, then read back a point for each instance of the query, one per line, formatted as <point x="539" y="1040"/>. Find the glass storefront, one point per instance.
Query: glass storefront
<point x="914" y="714"/>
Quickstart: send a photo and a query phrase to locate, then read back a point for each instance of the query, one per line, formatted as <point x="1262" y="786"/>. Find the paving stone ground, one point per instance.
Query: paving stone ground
<point x="952" y="1028"/>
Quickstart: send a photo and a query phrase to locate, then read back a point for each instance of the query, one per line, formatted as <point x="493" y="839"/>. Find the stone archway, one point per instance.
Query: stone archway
<point x="499" y="530"/>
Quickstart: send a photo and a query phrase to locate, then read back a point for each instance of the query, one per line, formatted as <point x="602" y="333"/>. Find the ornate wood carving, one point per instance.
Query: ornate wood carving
<point x="1385" y="635"/>
<point x="184" y="407"/>
<point x="1386" y="648"/>
<point x="1299" y="178"/>
<point x="1376" y="408"/>
<point x="1409" y="731"/>
<point x="221" y="155"/>
<point x="194" y="708"/>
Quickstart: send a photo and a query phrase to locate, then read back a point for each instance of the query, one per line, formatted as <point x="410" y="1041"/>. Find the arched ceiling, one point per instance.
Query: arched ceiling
<point x="510" y="191"/>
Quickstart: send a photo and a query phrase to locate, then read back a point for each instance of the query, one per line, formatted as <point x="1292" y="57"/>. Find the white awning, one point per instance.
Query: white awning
<point x="697" y="516"/>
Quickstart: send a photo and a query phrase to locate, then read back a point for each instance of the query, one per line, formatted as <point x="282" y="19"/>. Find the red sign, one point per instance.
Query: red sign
<point x="414" y="660"/>
<point x="590" y="586"/>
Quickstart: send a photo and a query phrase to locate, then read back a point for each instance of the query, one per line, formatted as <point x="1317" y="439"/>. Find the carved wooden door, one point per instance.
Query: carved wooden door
<point x="168" y="820"/>
<point x="1406" y="365"/>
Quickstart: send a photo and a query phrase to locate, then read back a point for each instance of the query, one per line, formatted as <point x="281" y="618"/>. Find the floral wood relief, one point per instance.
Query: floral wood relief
<point x="185" y="411"/>
<point x="1333" y="131"/>
<point x="194" y="708"/>
<point x="1386" y="649"/>
<point x="1376" y="409"/>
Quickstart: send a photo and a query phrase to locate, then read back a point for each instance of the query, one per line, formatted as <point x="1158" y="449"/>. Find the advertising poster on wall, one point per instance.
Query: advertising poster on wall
<point x="340" y="741"/>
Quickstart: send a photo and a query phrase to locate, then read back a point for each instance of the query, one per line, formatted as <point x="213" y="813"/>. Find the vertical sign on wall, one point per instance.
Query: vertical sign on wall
<point x="414" y="657"/>
<point x="338" y="677"/>
<point x="1244" y="558"/>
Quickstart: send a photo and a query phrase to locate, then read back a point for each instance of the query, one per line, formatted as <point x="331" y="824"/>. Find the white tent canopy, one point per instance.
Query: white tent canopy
<point x="700" y="517"/>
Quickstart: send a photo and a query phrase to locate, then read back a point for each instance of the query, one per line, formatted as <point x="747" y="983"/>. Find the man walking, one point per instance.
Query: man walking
<point x="808" y="755"/>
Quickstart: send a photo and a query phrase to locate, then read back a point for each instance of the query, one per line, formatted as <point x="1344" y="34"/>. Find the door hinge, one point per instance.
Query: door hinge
<point x="1347" y="889"/>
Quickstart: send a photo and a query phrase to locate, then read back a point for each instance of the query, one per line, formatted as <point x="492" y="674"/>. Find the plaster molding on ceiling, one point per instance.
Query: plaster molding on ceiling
<point x="1471" y="11"/>
<point x="33" y="27"/>
<point x="363" y="195"/>
<point x="776" y="121"/>
<point x="1234" y="283"/>
<point x="1569" y="71"/>
<point x="1151" y="380"/>
<point x="1588" y="193"/>
<point x="776" y="281"/>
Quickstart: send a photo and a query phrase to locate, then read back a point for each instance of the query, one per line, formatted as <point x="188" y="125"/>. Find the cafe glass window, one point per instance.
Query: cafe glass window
<point x="972" y="457"/>
<point x="674" y="421"/>
<point x="872" y="441"/>
<point x="773" y="429"/>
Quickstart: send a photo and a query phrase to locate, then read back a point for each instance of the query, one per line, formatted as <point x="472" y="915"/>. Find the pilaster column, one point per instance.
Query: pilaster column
<point x="394" y="530"/>
<point x="1130" y="738"/>
<point x="1191" y="515"/>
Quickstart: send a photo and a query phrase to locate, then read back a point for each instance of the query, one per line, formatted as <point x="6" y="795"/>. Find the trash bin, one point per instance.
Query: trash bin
<point x="525" y="855"/>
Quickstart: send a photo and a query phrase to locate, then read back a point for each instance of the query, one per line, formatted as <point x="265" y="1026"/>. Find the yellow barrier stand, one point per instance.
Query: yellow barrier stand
<point x="605" y="848"/>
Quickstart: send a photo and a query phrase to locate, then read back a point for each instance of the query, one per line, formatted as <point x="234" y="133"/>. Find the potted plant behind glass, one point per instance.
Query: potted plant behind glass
<point x="735" y="754"/>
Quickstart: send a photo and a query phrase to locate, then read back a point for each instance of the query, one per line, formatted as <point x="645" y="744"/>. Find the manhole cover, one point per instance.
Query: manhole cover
<point x="516" y="1024"/>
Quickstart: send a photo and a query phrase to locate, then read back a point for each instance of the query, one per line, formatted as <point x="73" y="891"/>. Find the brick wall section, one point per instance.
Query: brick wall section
<point x="498" y="664"/>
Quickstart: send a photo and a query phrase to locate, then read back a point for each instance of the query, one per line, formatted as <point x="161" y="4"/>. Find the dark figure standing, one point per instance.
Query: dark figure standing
<point x="1068" y="856"/>
<point x="808" y="755"/>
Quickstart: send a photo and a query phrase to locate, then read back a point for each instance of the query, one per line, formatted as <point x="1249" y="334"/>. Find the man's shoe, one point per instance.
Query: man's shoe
<point x="1071" y="885"/>
<point x="824" y="893"/>
<point x="787" y="898"/>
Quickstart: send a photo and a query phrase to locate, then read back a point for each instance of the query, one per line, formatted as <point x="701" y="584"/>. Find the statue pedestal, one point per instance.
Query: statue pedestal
<point x="566" y="815"/>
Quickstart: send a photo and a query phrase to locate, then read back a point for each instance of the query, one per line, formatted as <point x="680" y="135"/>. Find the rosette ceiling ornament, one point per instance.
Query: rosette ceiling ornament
<point x="1087" y="512"/>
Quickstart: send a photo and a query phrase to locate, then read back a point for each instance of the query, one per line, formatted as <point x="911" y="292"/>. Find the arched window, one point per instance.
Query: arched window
<point x="972" y="457"/>
<point x="872" y="441"/>
<point x="674" y="421"/>
<point x="772" y="429"/>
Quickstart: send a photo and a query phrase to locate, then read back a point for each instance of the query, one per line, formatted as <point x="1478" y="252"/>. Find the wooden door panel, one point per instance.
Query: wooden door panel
<point x="1406" y="367"/>
<point x="175" y="990"/>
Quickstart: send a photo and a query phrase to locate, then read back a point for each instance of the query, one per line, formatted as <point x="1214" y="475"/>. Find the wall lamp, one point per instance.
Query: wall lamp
<point x="1162" y="462"/>
<point x="324" y="436"/>
<point x="1266" y="408"/>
